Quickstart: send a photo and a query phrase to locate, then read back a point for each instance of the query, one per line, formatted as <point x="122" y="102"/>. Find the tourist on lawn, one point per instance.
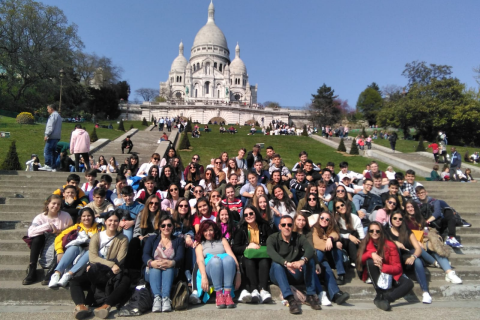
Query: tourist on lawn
<point x="107" y="252"/>
<point x="53" y="132"/>
<point x="33" y="164"/>
<point x="292" y="263"/>
<point x="42" y="232"/>
<point x="163" y="256"/>
<point x="75" y="255"/>
<point x="468" y="175"/>
<point x="281" y="205"/>
<point x="377" y="255"/>
<point x="249" y="244"/>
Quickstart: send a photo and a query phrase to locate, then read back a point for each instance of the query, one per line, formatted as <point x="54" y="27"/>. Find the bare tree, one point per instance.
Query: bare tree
<point x="477" y="74"/>
<point x="147" y="94"/>
<point x="86" y="64"/>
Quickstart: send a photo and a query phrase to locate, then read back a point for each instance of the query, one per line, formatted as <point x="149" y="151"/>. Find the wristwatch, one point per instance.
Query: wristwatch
<point x="304" y="259"/>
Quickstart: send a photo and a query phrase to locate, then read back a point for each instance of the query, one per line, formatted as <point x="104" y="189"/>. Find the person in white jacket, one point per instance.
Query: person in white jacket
<point x="33" y="164"/>
<point x="80" y="146"/>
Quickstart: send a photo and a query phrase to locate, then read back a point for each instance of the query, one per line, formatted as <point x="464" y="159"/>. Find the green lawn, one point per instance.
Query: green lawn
<point x="29" y="138"/>
<point x="212" y="144"/>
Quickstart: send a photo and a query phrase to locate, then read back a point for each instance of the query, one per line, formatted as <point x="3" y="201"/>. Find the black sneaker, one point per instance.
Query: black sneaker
<point x="313" y="302"/>
<point x="465" y="224"/>
<point x="294" y="306"/>
<point x="382" y="303"/>
<point x="340" y="297"/>
<point x="341" y="279"/>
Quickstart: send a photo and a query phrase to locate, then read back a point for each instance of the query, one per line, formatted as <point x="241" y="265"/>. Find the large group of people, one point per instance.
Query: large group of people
<point x="239" y="224"/>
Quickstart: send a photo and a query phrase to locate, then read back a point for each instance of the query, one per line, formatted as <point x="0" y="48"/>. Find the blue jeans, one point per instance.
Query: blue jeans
<point x="49" y="152"/>
<point x="161" y="281"/>
<point x="68" y="257"/>
<point x="420" y="272"/>
<point x="330" y="281"/>
<point x="129" y="233"/>
<point x="221" y="272"/>
<point x="295" y="198"/>
<point x="280" y="276"/>
<point x="430" y="257"/>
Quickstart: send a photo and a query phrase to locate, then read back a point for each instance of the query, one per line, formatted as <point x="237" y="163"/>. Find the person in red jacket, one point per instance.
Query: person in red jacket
<point x="376" y="254"/>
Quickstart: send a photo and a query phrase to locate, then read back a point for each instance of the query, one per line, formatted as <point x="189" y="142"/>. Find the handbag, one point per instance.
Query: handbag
<point x="384" y="281"/>
<point x="419" y="235"/>
<point x="255" y="253"/>
<point x="28" y="241"/>
<point x="72" y="235"/>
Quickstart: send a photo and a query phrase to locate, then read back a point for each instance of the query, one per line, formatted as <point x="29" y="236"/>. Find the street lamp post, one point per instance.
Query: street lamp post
<point x="128" y="92"/>
<point x="62" y="74"/>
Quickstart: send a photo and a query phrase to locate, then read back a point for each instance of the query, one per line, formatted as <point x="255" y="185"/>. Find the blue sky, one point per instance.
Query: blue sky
<point x="291" y="47"/>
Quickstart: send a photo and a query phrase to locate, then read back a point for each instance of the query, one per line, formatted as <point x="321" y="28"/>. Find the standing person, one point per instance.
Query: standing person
<point x="393" y="140"/>
<point x="455" y="163"/>
<point x="376" y="255"/>
<point x="53" y="132"/>
<point x="80" y="145"/>
<point x="434" y="147"/>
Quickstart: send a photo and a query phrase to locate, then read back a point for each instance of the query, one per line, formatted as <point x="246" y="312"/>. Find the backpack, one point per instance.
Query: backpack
<point x="140" y="302"/>
<point x="180" y="296"/>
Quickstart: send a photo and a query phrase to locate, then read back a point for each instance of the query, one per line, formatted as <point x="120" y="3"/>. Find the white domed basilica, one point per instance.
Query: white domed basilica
<point x="209" y="76"/>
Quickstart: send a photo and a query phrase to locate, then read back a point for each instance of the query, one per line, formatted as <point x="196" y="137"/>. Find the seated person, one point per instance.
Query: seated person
<point x="292" y="262"/>
<point x="408" y="186"/>
<point x="276" y="180"/>
<point x="66" y="163"/>
<point x="330" y="185"/>
<point x="144" y="168"/>
<point x="311" y="174"/>
<point x="248" y="189"/>
<point x="253" y="130"/>
<point x="116" y="198"/>
<point x="150" y="189"/>
<point x="434" y="175"/>
<point x="233" y="180"/>
<point x="73" y="180"/>
<point x="378" y="187"/>
<point x="298" y="185"/>
<point x="99" y="204"/>
<point x="355" y="177"/>
<point x="127" y="144"/>
<point x="134" y="207"/>
<point x="91" y="177"/>
<point x="164" y="137"/>
<point x="105" y="183"/>
<point x="232" y="203"/>
<point x="373" y="170"/>
<point x="262" y="175"/>
<point x="70" y="204"/>
<point x="366" y="202"/>
<point x="277" y="166"/>
<point x="394" y="190"/>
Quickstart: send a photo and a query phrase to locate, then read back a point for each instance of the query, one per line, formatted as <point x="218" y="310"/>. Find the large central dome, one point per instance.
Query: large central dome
<point x="210" y="33"/>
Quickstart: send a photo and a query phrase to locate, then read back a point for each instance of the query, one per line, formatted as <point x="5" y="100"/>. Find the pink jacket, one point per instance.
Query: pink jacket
<point x="80" y="141"/>
<point x="42" y="223"/>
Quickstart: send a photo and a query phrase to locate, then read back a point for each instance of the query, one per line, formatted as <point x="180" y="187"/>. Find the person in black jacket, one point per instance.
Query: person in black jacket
<point x="253" y="156"/>
<point x="252" y="233"/>
<point x="127" y="144"/>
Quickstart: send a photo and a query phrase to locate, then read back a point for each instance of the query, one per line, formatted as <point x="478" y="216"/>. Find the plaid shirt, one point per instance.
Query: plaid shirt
<point x="410" y="188"/>
<point x="283" y="169"/>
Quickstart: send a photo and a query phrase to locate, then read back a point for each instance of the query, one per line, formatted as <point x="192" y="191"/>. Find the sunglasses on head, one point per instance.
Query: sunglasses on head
<point x="286" y="225"/>
<point x="340" y="206"/>
<point x="374" y="231"/>
<point x="391" y="202"/>
<point x="397" y="218"/>
<point x="168" y="225"/>
<point x="324" y="218"/>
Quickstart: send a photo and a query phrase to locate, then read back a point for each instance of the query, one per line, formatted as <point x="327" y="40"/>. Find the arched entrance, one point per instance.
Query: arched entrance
<point x="217" y="120"/>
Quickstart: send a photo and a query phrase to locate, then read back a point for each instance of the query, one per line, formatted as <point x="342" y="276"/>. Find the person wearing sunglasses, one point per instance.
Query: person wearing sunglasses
<point x="163" y="256"/>
<point x="198" y="192"/>
<point x="209" y="182"/>
<point x="144" y="228"/>
<point x="220" y="176"/>
<point x="411" y="251"/>
<point x="383" y="215"/>
<point x="437" y="253"/>
<point x="251" y="234"/>
<point x="351" y="232"/>
<point x="144" y="168"/>
<point x="325" y="234"/>
<point x="393" y="190"/>
<point x="377" y="254"/>
<point x="311" y="189"/>
<point x="195" y="160"/>
<point x="292" y="263"/>
<point x="173" y="194"/>
<point x="192" y="179"/>
<point x="314" y="205"/>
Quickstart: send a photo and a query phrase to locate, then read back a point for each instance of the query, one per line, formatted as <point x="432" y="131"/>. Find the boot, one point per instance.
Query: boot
<point x="31" y="274"/>
<point x="50" y="272"/>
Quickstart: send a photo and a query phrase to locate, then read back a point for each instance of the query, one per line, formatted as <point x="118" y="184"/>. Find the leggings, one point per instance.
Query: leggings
<point x="256" y="271"/>
<point x="36" y="248"/>
<point x="399" y="288"/>
<point x="350" y="247"/>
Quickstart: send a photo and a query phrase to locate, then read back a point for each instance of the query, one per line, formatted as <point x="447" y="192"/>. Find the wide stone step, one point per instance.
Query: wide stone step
<point x="25" y="201"/>
<point x="14" y="292"/>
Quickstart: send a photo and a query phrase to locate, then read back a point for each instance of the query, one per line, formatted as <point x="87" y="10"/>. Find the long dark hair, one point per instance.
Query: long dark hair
<point x="230" y="224"/>
<point x="157" y="178"/>
<point x="267" y="211"/>
<point x="403" y="235"/>
<point x="348" y="214"/>
<point x="332" y="226"/>
<point x="145" y="213"/>
<point x="289" y="204"/>
<point x="164" y="181"/>
<point x="417" y="217"/>
<point x="212" y="179"/>
<point x="203" y="199"/>
<point x="177" y="219"/>
<point x="335" y="197"/>
<point x="317" y="208"/>
<point x="306" y="229"/>
<point x="381" y="245"/>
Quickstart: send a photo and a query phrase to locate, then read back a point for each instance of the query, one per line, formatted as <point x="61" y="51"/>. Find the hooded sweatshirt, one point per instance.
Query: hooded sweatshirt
<point x="80" y="141"/>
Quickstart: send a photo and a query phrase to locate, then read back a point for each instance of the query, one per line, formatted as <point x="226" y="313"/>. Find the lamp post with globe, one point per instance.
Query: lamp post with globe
<point x="61" y="75"/>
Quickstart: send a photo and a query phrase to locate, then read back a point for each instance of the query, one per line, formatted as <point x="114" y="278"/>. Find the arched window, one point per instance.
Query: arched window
<point x="194" y="68"/>
<point x="196" y="91"/>
<point x="207" y="87"/>
<point x="180" y="79"/>
<point x="218" y="93"/>
<point x="198" y="65"/>
<point x="215" y="65"/>
<point x="220" y="68"/>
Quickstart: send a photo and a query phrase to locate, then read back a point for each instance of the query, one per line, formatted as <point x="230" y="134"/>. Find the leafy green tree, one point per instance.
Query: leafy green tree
<point x="11" y="161"/>
<point x="375" y="86"/>
<point x="324" y="109"/>
<point x="104" y="100"/>
<point x="418" y="72"/>
<point x="341" y="146"/>
<point x="370" y="103"/>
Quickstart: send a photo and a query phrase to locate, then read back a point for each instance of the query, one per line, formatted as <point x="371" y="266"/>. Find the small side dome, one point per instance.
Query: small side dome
<point x="237" y="66"/>
<point x="180" y="62"/>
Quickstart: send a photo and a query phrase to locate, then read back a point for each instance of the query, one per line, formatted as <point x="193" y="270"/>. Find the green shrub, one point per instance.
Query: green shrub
<point x="93" y="136"/>
<point x="144" y="122"/>
<point x="341" y="146"/>
<point x="354" y="147"/>
<point x="305" y="132"/>
<point x="120" y="126"/>
<point x="25" y="118"/>
<point x="184" y="143"/>
<point x="11" y="161"/>
<point x="131" y="126"/>
<point x="188" y="127"/>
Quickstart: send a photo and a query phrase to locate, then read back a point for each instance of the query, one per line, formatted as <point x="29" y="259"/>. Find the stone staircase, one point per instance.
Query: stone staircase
<point x="22" y="195"/>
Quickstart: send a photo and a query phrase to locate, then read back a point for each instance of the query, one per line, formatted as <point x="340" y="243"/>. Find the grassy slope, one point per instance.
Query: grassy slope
<point x="212" y="144"/>
<point x="30" y="137"/>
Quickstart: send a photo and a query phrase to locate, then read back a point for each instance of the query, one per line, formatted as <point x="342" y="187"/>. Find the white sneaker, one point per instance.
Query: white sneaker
<point x="54" y="280"/>
<point x="427" y="298"/>
<point x="65" y="278"/>
<point x="324" y="299"/>
<point x="166" y="304"/>
<point x="194" y="299"/>
<point x="45" y="168"/>
<point x="157" y="304"/>
<point x="449" y="277"/>
<point x="245" y="296"/>
<point x="266" y="296"/>
<point x="368" y="281"/>
<point x="256" y="296"/>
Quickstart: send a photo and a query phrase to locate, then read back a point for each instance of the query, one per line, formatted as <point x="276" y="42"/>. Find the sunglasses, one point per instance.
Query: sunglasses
<point x="249" y="214"/>
<point x="397" y="218"/>
<point x="286" y="225"/>
<point x="193" y="168"/>
<point x="391" y="202"/>
<point x="312" y="199"/>
<point x="168" y="225"/>
<point x="341" y="191"/>
<point x="340" y="206"/>
<point x="215" y="196"/>
<point x="154" y="203"/>
<point x="194" y="158"/>
<point x="183" y="205"/>
<point x="197" y="191"/>
<point x="175" y="189"/>
<point x="217" y="162"/>
<point x="374" y="231"/>
<point x="326" y="219"/>
<point x="156" y="159"/>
